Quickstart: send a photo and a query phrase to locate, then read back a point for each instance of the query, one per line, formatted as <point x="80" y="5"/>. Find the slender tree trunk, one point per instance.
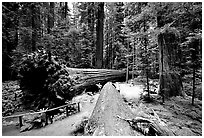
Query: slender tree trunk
<point x="107" y="44"/>
<point x="16" y="25"/>
<point x="51" y="17"/>
<point x="193" y="95"/>
<point x="65" y="10"/>
<point x="34" y="29"/>
<point x="194" y="57"/>
<point x="133" y="65"/>
<point x="91" y="24"/>
<point x="99" y="34"/>
<point x="127" y="70"/>
<point x="146" y="58"/>
<point x="162" y="73"/>
<point x="112" y="45"/>
<point x="111" y="52"/>
<point x="50" y="24"/>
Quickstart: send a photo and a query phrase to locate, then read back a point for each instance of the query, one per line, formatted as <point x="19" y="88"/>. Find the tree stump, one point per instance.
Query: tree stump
<point x="170" y="80"/>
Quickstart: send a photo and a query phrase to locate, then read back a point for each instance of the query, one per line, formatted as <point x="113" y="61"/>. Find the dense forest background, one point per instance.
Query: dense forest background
<point x="99" y="35"/>
<point x="157" y="40"/>
<point x="56" y="51"/>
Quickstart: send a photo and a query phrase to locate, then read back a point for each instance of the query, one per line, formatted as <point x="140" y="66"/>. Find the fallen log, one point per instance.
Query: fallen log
<point x="112" y="117"/>
<point x="104" y="121"/>
<point x="88" y="78"/>
<point x="53" y="83"/>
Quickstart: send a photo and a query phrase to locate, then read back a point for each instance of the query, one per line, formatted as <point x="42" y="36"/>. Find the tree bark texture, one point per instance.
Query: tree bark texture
<point x="99" y="35"/>
<point x="65" y="10"/>
<point x="146" y="57"/>
<point x="170" y="80"/>
<point x="50" y="17"/>
<point x="34" y="29"/>
<point x="104" y="121"/>
<point x="50" y="24"/>
<point x="90" y="77"/>
<point x="112" y="117"/>
<point x="91" y="26"/>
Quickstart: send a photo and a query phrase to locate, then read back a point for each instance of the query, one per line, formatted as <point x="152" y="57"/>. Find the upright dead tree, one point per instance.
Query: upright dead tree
<point x="170" y="80"/>
<point x="169" y="77"/>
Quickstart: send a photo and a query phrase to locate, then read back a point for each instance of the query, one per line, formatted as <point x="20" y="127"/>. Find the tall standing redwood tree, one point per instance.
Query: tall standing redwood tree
<point x="91" y="26"/>
<point x="170" y="80"/>
<point x="50" y="24"/>
<point x="35" y="23"/>
<point x="34" y="27"/>
<point x="65" y="10"/>
<point x="99" y="36"/>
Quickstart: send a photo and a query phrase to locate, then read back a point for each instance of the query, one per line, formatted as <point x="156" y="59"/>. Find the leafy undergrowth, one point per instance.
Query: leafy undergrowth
<point x="10" y="104"/>
<point x="188" y="86"/>
<point x="188" y="89"/>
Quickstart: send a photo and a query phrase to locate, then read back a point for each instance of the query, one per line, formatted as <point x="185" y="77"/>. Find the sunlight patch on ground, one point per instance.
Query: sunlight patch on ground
<point x="129" y="91"/>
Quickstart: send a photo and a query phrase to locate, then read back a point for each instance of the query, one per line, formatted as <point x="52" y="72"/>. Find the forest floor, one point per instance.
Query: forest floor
<point x="177" y="112"/>
<point x="64" y="127"/>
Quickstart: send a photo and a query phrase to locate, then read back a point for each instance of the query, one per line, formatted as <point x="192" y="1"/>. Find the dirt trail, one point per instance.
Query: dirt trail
<point x="177" y="113"/>
<point x="59" y="128"/>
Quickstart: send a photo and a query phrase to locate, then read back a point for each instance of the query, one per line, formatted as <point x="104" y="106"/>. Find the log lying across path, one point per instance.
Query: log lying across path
<point x="86" y="78"/>
<point x="53" y="83"/>
<point x="113" y="117"/>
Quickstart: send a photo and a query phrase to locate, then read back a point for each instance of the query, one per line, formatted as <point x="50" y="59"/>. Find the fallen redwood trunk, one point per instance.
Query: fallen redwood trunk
<point x="113" y="117"/>
<point x="104" y="120"/>
<point x="53" y="83"/>
<point x="86" y="78"/>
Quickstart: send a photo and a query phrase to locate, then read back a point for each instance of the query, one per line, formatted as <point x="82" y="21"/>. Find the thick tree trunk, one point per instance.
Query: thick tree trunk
<point x="90" y="77"/>
<point x="99" y="34"/>
<point x="34" y="29"/>
<point x="65" y="10"/>
<point x="54" y="83"/>
<point x="104" y="120"/>
<point x="50" y="24"/>
<point x="50" y="17"/>
<point x="112" y="117"/>
<point x="91" y="25"/>
<point x="170" y="80"/>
